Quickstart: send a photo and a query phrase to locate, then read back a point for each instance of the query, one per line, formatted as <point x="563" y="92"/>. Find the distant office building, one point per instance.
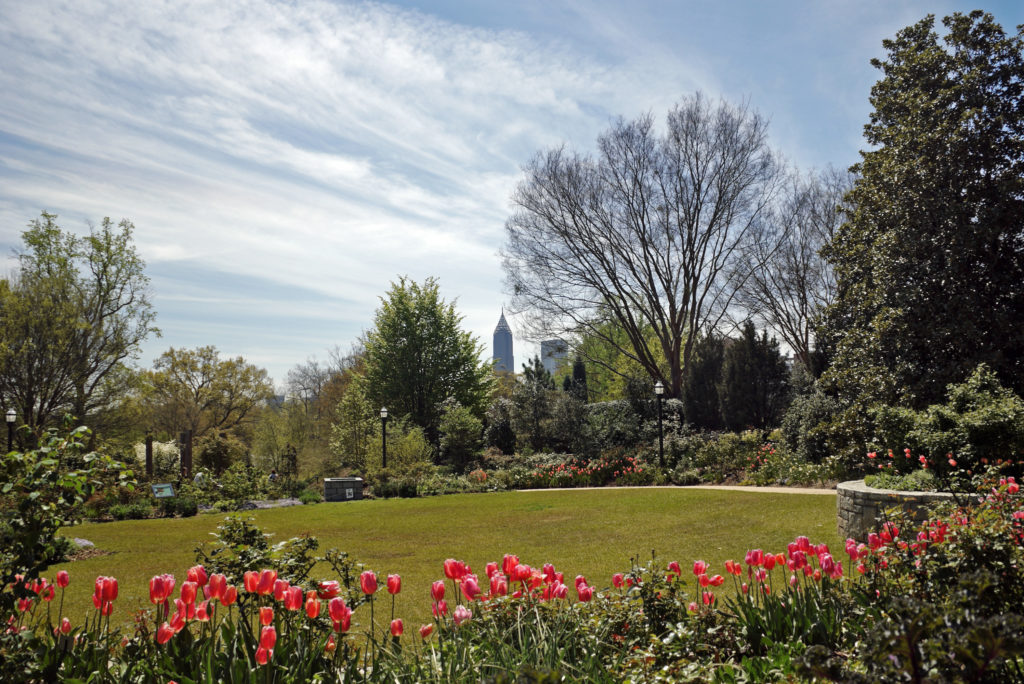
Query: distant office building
<point x="554" y="354"/>
<point x="503" y="359"/>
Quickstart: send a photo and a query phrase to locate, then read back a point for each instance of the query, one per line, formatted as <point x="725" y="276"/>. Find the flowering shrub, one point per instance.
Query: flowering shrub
<point x="613" y="468"/>
<point x="940" y="601"/>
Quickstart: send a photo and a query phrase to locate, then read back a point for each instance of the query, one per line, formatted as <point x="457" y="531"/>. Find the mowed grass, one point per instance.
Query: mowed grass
<point x="588" y="532"/>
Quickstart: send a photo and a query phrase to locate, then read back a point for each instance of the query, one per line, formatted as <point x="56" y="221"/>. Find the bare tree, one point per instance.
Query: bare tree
<point x="307" y="381"/>
<point x="792" y="283"/>
<point x="652" y="234"/>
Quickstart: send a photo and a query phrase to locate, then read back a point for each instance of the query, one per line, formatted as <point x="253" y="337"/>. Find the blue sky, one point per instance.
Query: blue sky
<point x="283" y="162"/>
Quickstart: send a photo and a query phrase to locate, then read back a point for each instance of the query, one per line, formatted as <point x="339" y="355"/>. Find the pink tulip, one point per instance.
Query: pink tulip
<point x="328" y="589"/>
<point x="312" y="607"/>
<point x="65" y="626"/>
<point x="470" y="587"/>
<point x="394" y="584"/>
<point x="461" y="614"/>
<point x="437" y="590"/>
<point x="368" y="582"/>
<point x="163" y="633"/>
<point x="63" y="579"/>
<point x="699" y="567"/>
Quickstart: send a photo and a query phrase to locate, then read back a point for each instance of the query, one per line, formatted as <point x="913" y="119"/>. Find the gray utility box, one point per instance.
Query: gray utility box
<point x="343" y="488"/>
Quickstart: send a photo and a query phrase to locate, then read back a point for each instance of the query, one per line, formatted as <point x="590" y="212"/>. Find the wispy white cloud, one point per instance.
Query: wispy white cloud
<point x="323" y="148"/>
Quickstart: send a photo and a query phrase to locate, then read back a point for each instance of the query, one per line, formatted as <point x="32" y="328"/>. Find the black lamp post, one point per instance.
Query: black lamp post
<point x="384" y="437"/>
<point x="659" y="389"/>
<point x="12" y="416"/>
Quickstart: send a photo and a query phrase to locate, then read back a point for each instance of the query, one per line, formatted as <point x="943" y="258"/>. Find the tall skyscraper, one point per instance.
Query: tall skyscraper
<point x="503" y="359"/>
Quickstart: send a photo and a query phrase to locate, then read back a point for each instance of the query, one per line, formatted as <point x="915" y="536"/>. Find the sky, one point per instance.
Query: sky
<point x="284" y="162"/>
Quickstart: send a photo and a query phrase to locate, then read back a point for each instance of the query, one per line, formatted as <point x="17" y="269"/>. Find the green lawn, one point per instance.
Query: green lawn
<point x="589" y="532"/>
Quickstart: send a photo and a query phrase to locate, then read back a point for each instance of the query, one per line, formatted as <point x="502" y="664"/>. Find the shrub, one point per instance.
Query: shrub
<point x="182" y="506"/>
<point x="132" y="511"/>
<point x="728" y="455"/>
<point x="309" y="496"/>
<point x="804" y="426"/>
<point x="981" y="422"/>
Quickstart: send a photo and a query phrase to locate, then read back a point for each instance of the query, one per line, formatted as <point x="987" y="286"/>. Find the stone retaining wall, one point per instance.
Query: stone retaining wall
<point x="860" y="507"/>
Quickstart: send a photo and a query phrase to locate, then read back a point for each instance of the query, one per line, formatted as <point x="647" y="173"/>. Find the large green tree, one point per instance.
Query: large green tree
<point x="417" y="356"/>
<point x="930" y="264"/>
<point x="194" y="389"/>
<point x="72" y="317"/>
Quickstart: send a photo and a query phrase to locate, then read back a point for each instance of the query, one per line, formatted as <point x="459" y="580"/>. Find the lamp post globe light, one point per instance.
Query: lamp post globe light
<point x="384" y="437"/>
<point x="12" y="416"/>
<point x="659" y="390"/>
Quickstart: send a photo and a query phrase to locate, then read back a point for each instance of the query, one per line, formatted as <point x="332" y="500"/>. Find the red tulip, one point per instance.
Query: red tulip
<point x="330" y="645"/>
<point x="328" y="589"/>
<point x="63" y="578"/>
<point x="280" y="589"/>
<point x="499" y="586"/>
<point x="699" y="567"/>
<point x="293" y="598"/>
<point x="262" y="656"/>
<point x="708" y="598"/>
<point x="490" y="569"/>
<point x="177" y="621"/>
<point x="437" y="590"/>
<point x="394" y="584"/>
<point x="368" y="582"/>
<point x="47" y="593"/>
<point x="268" y="637"/>
<point x="585" y="593"/>
<point x="397" y="627"/>
<point x="218" y="583"/>
<point x="312" y="607"/>
<point x="197" y="574"/>
<point x="440" y="608"/>
<point x="188" y="592"/>
<point x="549" y="572"/>
<point x="754" y="557"/>
<point x="426" y="631"/>
<point x="65" y="626"/>
<point x="716" y="580"/>
<point x="509" y="563"/>
<point x="703" y="579"/>
<point x="674" y="567"/>
<point x="266" y="615"/>
<point x="455" y="569"/>
<point x="337" y="609"/>
<point x="106" y="588"/>
<point x="617" y="580"/>
<point x="164" y="633"/>
<point x="251" y="580"/>
<point x="203" y="611"/>
<point x="229" y="597"/>
<point x="266" y="583"/>
<point x="559" y="590"/>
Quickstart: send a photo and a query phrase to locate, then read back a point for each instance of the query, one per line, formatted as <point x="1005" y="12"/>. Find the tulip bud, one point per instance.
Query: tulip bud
<point x="396" y="627"/>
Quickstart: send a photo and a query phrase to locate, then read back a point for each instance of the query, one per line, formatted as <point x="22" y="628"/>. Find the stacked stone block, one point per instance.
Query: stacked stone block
<point x="343" y="488"/>
<point x="860" y="508"/>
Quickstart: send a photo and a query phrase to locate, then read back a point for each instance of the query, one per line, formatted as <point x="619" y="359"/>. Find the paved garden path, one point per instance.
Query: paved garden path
<point x="732" y="488"/>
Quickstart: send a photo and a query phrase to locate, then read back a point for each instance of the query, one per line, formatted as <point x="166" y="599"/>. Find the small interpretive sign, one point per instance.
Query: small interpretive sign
<point x="163" y="491"/>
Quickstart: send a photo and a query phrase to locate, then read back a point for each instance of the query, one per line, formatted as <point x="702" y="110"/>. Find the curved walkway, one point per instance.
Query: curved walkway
<point x="731" y="488"/>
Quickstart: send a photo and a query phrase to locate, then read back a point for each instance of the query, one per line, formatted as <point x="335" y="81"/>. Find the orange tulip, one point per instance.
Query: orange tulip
<point x="312" y="607"/>
<point x="229" y="597"/>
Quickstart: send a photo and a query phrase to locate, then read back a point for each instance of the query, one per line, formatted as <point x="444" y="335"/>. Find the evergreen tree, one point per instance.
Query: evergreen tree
<point x="754" y="386"/>
<point x="701" y="406"/>
<point x="532" y="403"/>
<point x="930" y="264"/>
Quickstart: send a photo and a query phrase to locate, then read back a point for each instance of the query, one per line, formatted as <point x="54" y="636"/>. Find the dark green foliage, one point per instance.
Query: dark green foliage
<point x="577" y="383"/>
<point x="239" y="546"/>
<point x="614" y="423"/>
<point x="499" y="433"/>
<point x="182" y="506"/>
<point x="308" y="496"/>
<point x="217" y="450"/>
<point x="930" y="264"/>
<point x="531" y="404"/>
<point x="754" y="388"/>
<point x="461" y="435"/>
<point x="570" y="430"/>
<point x="417" y="356"/>
<point x="804" y="424"/>
<point x="700" y="390"/>
<point x="981" y="419"/>
<point x="133" y="511"/>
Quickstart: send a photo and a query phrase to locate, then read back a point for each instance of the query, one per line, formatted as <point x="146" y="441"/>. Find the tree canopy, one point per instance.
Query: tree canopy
<point x="72" y="316"/>
<point x="930" y="264"/>
<point x="417" y="356"/>
<point x="652" y="234"/>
